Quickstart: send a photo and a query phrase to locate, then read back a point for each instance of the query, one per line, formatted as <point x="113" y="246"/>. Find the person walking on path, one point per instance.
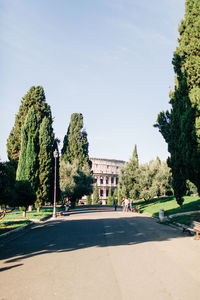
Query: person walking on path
<point x="126" y="202"/>
<point x="115" y="203"/>
<point x="131" y="205"/>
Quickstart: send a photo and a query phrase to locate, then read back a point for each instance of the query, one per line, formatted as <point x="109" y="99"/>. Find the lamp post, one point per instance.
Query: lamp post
<point x="55" y="154"/>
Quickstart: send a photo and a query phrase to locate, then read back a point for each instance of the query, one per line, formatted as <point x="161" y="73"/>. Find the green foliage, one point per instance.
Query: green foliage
<point x="110" y="197"/>
<point x="181" y="126"/>
<point x="7" y="184"/>
<point x="28" y="162"/>
<point x="128" y="177"/>
<point x="75" y="144"/>
<point x="35" y="98"/>
<point x="25" y="194"/>
<point x="145" y="181"/>
<point x="89" y="200"/>
<point x="30" y="144"/>
<point x="46" y="162"/>
<point x="75" y="182"/>
<point x="95" y="195"/>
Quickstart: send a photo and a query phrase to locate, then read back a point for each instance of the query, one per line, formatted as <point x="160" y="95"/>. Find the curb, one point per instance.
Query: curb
<point x="20" y="228"/>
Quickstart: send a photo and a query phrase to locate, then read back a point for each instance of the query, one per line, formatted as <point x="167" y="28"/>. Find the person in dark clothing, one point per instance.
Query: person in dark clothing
<point x="115" y="203"/>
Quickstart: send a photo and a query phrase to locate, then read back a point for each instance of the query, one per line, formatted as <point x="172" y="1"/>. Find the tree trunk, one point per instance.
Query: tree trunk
<point x="30" y="207"/>
<point x="73" y="203"/>
<point x="24" y="214"/>
<point x="38" y="209"/>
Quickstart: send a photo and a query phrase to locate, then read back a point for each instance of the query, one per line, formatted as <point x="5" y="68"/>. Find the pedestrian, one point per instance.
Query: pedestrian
<point x="115" y="203"/>
<point x="131" y="205"/>
<point x="126" y="202"/>
<point x="123" y="204"/>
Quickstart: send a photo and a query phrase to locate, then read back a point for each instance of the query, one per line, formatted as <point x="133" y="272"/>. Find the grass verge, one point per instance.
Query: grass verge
<point x="14" y="219"/>
<point x="169" y="204"/>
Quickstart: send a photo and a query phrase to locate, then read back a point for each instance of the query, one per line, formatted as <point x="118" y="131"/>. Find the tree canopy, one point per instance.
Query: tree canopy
<point x="180" y="126"/>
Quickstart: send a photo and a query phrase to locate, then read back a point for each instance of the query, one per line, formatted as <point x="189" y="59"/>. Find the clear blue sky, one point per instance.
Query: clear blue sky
<point x="108" y="59"/>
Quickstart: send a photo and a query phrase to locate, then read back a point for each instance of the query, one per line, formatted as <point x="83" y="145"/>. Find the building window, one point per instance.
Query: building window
<point x="112" y="192"/>
<point x="101" y="180"/>
<point x="107" y="180"/>
<point x="112" y="180"/>
<point x="107" y="192"/>
<point x="101" y="193"/>
<point x="117" y="180"/>
<point x="95" y="179"/>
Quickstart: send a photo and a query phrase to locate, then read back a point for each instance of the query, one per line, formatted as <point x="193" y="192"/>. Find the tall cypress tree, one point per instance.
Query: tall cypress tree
<point x="75" y="144"/>
<point x="181" y="126"/>
<point x="46" y="161"/>
<point x="35" y="151"/>
<point x="34" y="98"/>
<point x="28" y="162"/>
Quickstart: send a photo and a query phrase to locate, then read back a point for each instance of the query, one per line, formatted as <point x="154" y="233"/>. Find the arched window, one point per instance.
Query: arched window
<point x="107" y="180"/>
<point x="101" y="180"/>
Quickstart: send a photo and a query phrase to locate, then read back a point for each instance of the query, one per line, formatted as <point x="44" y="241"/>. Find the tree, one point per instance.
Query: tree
<point x="46" y="162"/>
<point x="7" y="185"/>
<point x="95" y="195"/>
<point x="75" y="144"/>
<point x="75" y="182"/>
<point x="75" y="154"/>
<point x="181" y="126"/>
<point x="25" y="195"/>
<point x="128" y="174"/>
<point x="28" y="162"/>
<point x="35" y="98"/>
<point x="89" y="200"/>
<point x="110" y="197"/>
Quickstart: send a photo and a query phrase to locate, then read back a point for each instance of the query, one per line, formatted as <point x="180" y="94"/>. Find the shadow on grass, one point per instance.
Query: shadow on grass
<point x="65" y="235"/>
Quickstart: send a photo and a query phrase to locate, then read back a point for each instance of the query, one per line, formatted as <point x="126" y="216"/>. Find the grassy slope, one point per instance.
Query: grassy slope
<point x="169" y="205"/>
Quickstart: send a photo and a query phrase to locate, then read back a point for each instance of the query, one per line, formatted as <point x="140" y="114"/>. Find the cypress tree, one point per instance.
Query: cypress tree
<point x="89" y="200"/>
<point x="27" y="171"/>
<point x="28" y="161"/>
<point x="34" y="98"/>
<point x="181" y="126"/>
<point x="75" y="144"/>
<point x="110" y="198"/>
<point x="95" y="195"/>
<point x="46" y="161"/>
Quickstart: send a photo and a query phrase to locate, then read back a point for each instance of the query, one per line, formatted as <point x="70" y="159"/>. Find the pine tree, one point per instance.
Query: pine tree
<point x="34" y="98"/>
<point x="95" y="195"/>
<point x="181" y="126"/>
<point x="75" y="144"/>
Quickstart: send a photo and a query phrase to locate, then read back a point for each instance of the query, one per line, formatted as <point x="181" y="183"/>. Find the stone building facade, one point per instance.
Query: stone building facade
<point x="106" y="175"/>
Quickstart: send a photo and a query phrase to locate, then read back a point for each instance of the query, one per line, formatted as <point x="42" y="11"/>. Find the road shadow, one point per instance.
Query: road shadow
<point x="64" y="235"/>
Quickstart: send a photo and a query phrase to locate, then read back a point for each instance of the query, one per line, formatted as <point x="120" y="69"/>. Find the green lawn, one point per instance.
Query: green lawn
<point x="15" y="219"/>
<point x="17" y="215"/>
<point x="169" y="204"/>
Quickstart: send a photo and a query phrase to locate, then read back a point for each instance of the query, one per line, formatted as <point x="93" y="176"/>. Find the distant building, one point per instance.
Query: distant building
<point x="106" y="175"/>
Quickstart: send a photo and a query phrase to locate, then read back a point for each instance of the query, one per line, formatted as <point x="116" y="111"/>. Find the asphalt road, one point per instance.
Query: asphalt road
<point x="99" y="254"/>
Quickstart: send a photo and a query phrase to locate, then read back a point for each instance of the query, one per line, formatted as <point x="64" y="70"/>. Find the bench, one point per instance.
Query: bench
<point x="195" y="227"/>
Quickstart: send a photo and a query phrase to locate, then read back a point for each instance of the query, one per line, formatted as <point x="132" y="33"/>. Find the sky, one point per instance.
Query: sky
<point x="107" y="59"/>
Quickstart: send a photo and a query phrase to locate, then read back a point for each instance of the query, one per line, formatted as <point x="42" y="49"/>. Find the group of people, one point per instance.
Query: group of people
<point x="127" y="204"/>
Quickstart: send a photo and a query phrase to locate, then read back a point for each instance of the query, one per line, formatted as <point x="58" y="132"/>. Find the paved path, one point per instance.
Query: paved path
<point x="100" y="254"/>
